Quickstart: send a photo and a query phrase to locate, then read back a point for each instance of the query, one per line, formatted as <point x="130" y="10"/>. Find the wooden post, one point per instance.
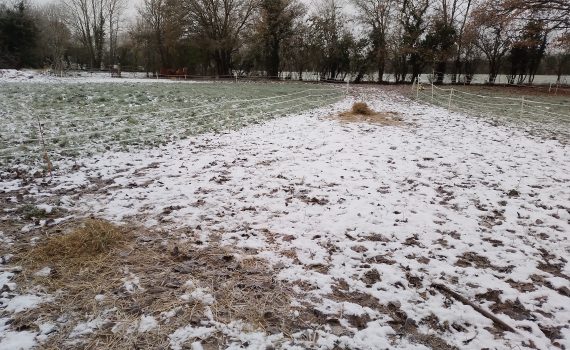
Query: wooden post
<point x="43" y="145"/>
<point x="432" y="90"/>
<point x="418" y="88"/>
<point x="522" y="105"/>
<point x="450" y="97"/>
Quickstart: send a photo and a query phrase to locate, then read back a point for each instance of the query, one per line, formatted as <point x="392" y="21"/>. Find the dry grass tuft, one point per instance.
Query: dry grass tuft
<point x="96" y="258"/>
<point x="86" y="241"/>
<point x="361" y="113"/>
<point x="361" y="108"/>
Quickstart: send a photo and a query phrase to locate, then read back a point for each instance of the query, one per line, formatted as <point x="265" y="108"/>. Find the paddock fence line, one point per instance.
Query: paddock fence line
<point x="530" y="111"/>
<point x="552" y="85"/>
<point x="46" y="137"/>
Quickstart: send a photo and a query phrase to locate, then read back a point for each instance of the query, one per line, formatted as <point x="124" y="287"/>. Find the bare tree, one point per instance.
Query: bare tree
<point x="561" y="54"/>
<point x="141" y="35"/>
<point x="554" y="12"/>
<point x="469" y="52"/>
<point x="89" y="19"/>
<point x="376" y="14"/>
<point x="297" y="50"/>
<point x="413" y="24"/>
<point x="276" y="23"/>
<point x="328" y="35"/>
<point x="495" y="34"/>
<point x="115" y="10"/>
<point x="152" y="28"/>
<point x="54" y="35"/>
<point x="221" y="24"/>
<point x="455" y="13"/>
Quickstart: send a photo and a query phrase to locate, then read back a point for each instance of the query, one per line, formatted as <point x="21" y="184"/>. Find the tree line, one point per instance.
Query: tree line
<point x="359" y="40"/>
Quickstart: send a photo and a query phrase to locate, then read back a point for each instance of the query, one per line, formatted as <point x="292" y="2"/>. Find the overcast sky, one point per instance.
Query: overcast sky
<point x="132" y="5"/>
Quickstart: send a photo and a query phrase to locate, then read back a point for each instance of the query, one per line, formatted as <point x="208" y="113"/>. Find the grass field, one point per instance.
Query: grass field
<point x="538" y="111"/>
<point x="81" y="118"/>
<point x="408" y="227"/>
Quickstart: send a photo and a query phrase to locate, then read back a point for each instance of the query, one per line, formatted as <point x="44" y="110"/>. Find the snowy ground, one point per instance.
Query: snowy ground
<point x="41" y="76"/>
<point x="88" y="118"/>
<point x="362" y="219"/>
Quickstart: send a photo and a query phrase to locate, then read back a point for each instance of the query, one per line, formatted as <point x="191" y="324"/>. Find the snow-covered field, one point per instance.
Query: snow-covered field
<point x="84" y="116"/>
<point x="367" y="222"/>
<point x="45" y="76"/>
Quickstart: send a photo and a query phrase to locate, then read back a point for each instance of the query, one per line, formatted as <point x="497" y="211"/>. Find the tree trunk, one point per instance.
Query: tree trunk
<point x="440" y="73"/>
<point x="272" y="64"/>
<point x="381" y="65"/>
<point x="359" y="76"/>
<point x="456" y="70"/>
<point x="494" y="65"/>
<point x="222" y="58"/>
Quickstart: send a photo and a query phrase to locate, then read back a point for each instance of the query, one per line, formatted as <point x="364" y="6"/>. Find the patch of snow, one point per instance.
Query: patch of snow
<point x="4" y="259"/>
<point x="82" y="329"/>
<point x="182" y="335"/>
<point x="131" y="284"/>
<point x="147" y="323"/>
<point x="5" y="278"/>
<point x="17" y="340"/>
<point x="43" y="272"/>
<point x="166" y="315"/>
<point x="21" y="303"/>
<point x="86" y="328"/>
<point x="45" y="207"/>
<point x="559" y="282"/>
<point x="200" y="295"/>
<point x="240" y="334"/>
<point x="46" y="329"/>
<point x="189" y="284"/>
<point x="196" y="346"/>
<point x="10" y="340"/>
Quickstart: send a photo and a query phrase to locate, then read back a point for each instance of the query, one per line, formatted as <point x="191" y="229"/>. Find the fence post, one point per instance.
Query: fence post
<point x="450" y="97"/>
<point x="522" y="105"/>
<point x="43" y="145"/>
<point x="418" y="89"/>
<point x="432" y="90"/>
<point x="347" y="86"/>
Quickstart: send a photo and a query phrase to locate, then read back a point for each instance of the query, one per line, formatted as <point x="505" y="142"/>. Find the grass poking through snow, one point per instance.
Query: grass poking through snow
<point x="104" y="279"/>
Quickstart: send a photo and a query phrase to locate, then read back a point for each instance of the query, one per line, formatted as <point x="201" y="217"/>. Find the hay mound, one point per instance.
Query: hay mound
<point x="98" y="266"/>
<point x="86" y="241"/>
<point x="361" y="113"/>
<point x="361" y="108"/>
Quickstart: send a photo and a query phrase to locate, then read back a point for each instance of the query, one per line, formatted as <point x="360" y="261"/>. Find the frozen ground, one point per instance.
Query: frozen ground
<point x="89" y="118"/>
<point x="364" y="220"/>
<point x="43" y="77"/>
<point x="541" y="112"/>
